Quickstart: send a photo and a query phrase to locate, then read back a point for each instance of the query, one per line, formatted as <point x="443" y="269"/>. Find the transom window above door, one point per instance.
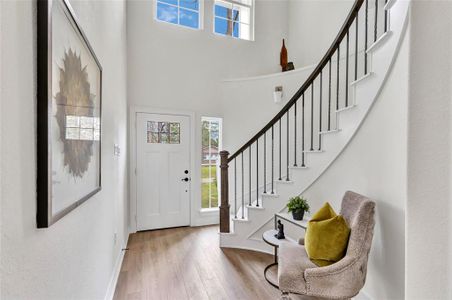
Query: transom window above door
<point x="180" y="12"/>
<point x="234" y="18"/>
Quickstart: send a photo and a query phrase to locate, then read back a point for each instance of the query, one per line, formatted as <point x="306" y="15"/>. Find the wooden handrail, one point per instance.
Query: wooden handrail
<point x="326" y="58"/>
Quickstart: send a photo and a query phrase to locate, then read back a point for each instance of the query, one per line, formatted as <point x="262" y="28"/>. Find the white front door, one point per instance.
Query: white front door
<point x="163" y="173"/>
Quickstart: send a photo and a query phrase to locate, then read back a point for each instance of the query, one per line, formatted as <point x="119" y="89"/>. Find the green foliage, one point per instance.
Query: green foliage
<point x="210" y="131"/>
<point x="297" y="204"/>
<point x="209" y="186"/>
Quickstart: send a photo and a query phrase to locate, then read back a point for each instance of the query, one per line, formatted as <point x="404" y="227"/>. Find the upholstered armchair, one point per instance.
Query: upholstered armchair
<point x="343" y="279"/>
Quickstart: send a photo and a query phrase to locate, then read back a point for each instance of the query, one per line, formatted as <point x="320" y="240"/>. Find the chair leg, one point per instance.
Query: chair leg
<point x="285" y="296"/>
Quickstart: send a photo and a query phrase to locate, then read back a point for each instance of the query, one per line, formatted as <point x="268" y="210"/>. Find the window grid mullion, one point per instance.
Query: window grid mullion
<point x="220" y="17"/>
<point x="178" y="6"/>
<point x="235" y="3"/>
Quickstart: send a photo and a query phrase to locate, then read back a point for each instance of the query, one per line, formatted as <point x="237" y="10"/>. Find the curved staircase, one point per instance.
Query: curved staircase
<point x="294" y="149"/>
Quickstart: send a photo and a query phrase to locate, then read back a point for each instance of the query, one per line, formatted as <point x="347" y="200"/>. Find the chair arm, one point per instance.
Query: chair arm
<point x="342" y="279"/>
<point x="301" y="241"/>
<point x="332" y="269"/>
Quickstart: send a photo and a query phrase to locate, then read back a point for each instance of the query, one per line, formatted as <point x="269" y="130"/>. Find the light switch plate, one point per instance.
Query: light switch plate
<point x="116" y="150"/>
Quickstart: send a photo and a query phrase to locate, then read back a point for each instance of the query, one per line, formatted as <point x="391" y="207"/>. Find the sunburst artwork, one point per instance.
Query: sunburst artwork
<point x="69" y="113"/>
<point x="78" y="126"/>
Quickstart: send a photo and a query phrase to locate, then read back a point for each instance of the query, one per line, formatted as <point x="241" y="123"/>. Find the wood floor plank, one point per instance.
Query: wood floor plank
<point x="187" y="263"/>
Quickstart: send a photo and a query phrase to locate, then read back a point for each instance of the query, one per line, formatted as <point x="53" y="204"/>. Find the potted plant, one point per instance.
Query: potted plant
<point x="298" y="205"/>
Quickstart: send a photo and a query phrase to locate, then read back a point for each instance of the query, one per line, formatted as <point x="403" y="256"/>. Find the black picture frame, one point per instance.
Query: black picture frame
<point x="45" y="216"/>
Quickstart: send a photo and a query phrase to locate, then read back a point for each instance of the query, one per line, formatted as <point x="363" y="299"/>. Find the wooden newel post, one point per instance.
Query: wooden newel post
<point x="224" y="207"/>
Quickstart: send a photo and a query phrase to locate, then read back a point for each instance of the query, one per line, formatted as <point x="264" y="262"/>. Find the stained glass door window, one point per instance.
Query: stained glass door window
<point x="163" y="132"/>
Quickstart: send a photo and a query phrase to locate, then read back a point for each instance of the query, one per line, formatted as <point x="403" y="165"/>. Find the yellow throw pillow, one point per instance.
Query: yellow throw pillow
<point x="326" y="236"/>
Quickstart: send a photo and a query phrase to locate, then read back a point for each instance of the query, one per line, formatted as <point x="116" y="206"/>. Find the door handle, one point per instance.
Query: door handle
<point x="186" y="179"/>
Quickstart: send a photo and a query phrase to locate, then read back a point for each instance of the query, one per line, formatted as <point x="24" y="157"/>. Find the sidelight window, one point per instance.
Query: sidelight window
<point x="211" y="145"/>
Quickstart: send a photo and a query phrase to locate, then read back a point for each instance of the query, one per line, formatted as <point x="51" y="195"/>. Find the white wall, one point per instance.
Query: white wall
<point x="176" y="68"/>
<point x="429" y="206"/>
<point x="450" y="190"/>
<point x="374" y="164"/>
<point x="254" y="97"/>
<point x="75" y="257"/>
<point x="313" y="25"/>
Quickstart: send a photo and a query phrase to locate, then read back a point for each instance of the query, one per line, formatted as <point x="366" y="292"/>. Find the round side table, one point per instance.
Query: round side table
<point x="269" y="238"/>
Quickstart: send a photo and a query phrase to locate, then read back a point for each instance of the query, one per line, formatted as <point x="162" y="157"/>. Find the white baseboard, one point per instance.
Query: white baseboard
<point x="210" y="220"/>
<point x="115" y="275"/>
<point x="203" y="218"/>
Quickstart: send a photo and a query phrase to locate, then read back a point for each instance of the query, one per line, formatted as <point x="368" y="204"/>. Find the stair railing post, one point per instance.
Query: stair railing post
<point x="224" y="207"/>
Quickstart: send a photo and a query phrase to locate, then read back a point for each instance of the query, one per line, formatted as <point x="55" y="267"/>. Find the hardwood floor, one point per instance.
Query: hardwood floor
<point x="187" y="263"/>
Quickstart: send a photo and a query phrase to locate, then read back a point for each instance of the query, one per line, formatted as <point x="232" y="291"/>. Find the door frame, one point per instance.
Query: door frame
<point x="133" y="111"/>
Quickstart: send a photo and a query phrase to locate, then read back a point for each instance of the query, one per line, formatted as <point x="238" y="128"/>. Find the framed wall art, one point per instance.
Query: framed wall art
<point x="69" y="105"/>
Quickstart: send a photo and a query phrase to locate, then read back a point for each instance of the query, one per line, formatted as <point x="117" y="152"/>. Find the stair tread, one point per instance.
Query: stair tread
<point x="270" y="195"/>
<point x="240" y="219"/>
<point x="361" y="78"/>
<point x="345" y="108"/>
<point x="284" y="181"/>
<point x="379" y="41"/>
<point x="329" y="131"/>
<point x="298" y="167"/>
<point x="255" y="207"/>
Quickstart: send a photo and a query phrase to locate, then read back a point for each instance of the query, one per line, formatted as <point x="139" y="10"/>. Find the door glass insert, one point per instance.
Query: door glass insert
<point x="163" y="132"/>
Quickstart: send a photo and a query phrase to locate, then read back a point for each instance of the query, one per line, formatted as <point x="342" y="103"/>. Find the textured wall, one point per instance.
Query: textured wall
<point x="75" y="257"/>
<point x="313" y="25"/>
<point x="429" y="208"/>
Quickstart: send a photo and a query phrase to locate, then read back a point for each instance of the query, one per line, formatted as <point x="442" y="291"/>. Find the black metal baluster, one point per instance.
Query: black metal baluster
<point x="320" y="109"/>
<point x="287" y="159"/>
<point x="386" y="17"/>
<point x="329" y="95"/>
<point x="295" y="133"/>
<point x="356" y="47"/>
<point x="250" y="177"/>
<point x="243" y="190"/>
<point x="273" y="156"/>
<point x="365" y="38"/>
<point x="265" y="162"/>
<point x="280" y="150"/>
<point x="346" y="71"/>
<point x="257" y="173"/>
<point x="312" y="116"/>
<point x="376" y="21"/>
<point x="337" y="81"/>
<point x="235" y="188"/>
<point x="302" y="131"/>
